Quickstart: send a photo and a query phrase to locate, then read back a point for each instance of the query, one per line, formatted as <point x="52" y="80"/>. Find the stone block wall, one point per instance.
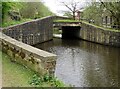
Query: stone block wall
<point x="32" y="32"/>
<point x="40" y="61"/>
<point x="99" y="35"/>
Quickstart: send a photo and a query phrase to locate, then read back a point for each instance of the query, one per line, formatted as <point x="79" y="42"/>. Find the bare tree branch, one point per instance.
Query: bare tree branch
<point x="67" y="6"/>
<point x="72" y="7"/>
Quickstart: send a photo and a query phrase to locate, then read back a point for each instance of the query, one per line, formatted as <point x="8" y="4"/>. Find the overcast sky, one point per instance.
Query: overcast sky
<point x="56" y="7"/>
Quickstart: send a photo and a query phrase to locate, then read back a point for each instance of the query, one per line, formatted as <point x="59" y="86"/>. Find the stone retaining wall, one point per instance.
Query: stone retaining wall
<point x="40" y="61"/>
<point x="32" y="32"/>
<point x="99" y="35"/>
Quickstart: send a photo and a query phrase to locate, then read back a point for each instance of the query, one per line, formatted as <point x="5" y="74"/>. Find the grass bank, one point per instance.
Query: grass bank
<point x="104" y="28"/>
<point x="13" y="22"/>
<point x="15" y="75"/>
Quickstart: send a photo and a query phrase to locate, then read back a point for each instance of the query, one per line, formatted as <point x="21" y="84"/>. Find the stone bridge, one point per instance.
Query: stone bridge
<point x="89" y="32"/>
<point x="41" y="30"/>
<point x="16" y="40"/>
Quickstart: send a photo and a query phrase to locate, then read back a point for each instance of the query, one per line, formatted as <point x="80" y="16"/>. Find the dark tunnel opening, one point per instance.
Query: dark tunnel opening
<point x="70" y="32"/>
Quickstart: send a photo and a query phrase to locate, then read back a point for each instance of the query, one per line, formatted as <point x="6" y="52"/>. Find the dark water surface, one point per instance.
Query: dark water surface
<point x="84" y="64"/>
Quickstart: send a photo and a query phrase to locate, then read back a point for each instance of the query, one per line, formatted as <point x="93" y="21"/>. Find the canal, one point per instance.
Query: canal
<point x="84" y="64"/>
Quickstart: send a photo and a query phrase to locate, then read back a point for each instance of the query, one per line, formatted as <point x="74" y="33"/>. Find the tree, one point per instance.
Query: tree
<point x="0" y="14"/>
<point x="72" y="7"/>
<point x="92" y="12"/>
<point x="34" y="10"/>
<point x="5" y="8"/>
<point x="96" y="10"/>
<point x="114" y="9"/>
<point x="9" y="6"/>
<point x="24" y="9"/>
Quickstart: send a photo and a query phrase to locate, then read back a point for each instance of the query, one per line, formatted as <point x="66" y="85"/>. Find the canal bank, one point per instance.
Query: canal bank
<point x="13" y="72"/>
<point x="84" y="64"/>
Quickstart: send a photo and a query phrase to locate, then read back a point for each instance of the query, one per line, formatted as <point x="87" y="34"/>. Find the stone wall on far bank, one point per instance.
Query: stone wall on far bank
<point x="99" y="35"/>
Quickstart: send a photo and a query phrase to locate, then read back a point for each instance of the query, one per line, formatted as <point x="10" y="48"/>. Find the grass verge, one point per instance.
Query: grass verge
<point x="15" y="75"/>
<point x="13" y="22"/>
<point x="109" y="29"/>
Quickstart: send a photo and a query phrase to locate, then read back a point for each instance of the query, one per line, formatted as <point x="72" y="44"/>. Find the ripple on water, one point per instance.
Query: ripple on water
<point x="85" y="64"/>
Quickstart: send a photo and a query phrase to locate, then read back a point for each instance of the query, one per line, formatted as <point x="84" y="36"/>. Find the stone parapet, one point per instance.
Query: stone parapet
<point x="38" y="60"/>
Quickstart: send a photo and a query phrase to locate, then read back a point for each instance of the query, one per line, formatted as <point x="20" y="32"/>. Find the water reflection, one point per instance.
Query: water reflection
<point x="84" y="64"/>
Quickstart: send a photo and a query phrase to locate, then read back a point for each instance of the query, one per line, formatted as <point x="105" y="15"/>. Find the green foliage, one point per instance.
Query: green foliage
<point x="40" y="80"/>
<point x="7" y="6"/>
<point x="34" y="10"/>
<point x="93" y="12"/>
<point x="114" y="9"/>
<point x="36" y="80"/>
<point x="96" y="10"/>
<point x="57" y="83"/>
<point x="0" y="14"/>
<point x="13" y="22"/>
<point x="26" y="10"/>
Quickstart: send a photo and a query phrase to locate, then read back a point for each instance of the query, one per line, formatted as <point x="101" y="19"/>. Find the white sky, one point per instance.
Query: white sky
<point x="55" y="5"/>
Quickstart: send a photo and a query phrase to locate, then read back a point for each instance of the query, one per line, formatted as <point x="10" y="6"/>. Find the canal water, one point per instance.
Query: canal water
<point x="84" y="64"/>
